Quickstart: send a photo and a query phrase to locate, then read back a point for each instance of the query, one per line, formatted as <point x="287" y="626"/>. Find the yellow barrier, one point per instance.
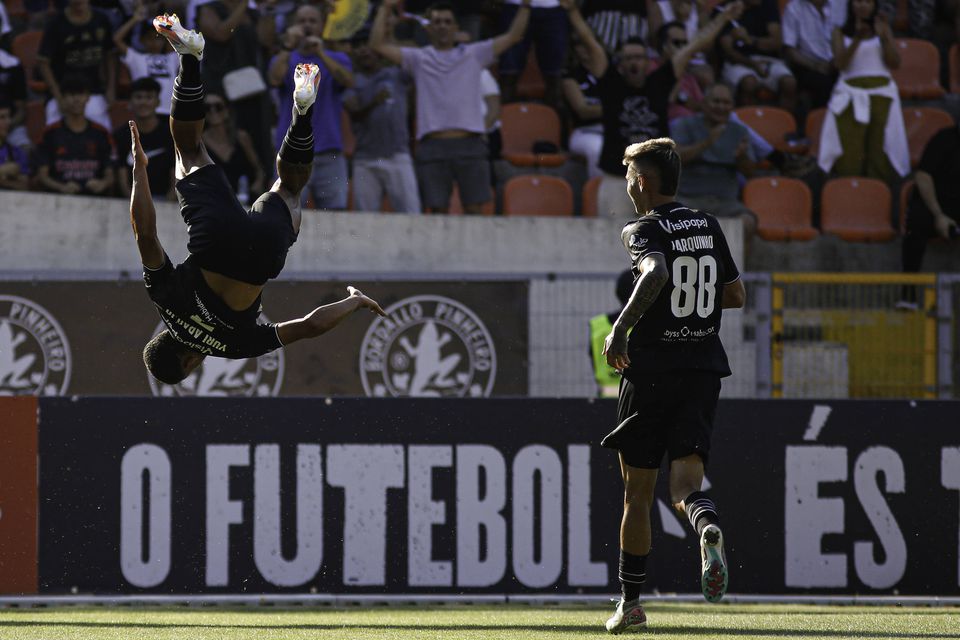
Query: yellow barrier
<point x="842" y="335"/>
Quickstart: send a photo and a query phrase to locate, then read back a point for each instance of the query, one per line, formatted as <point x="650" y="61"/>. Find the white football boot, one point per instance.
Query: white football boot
<point x="306" y="78"/>
<point x="714" y="576"/>
<point x="184" y="41"/>
<point x="629" y="616"/>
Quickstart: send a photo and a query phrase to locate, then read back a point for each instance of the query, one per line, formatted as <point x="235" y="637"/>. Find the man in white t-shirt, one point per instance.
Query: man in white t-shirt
<point x="450" y="122"/>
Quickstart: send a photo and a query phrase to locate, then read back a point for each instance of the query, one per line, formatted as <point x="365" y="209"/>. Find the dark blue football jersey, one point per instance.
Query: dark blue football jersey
<point x="681" y="329"/>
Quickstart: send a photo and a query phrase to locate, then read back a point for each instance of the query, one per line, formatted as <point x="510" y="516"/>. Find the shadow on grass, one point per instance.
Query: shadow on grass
<point x="569" y="628"/>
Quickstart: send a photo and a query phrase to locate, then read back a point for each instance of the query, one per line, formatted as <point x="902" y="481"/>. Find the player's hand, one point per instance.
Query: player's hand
<point x="139" y="157"/>
<point x="365" y="302"/>
<point x="615" y="348"/>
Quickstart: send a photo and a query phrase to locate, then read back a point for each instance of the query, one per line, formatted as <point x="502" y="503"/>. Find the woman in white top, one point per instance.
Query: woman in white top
<point x="863" y="134"/>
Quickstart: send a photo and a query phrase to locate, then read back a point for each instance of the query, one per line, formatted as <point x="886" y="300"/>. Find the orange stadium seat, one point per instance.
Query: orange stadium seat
<point x="954" y="67"/>
<point x="784" y="208"/>
<point x="26" y="46"/>
<point x="537" y="195"/>
<point x="772" y="123"/>
<point x="523" y="124"/>
<point x="589" y="196"/>
<point x="36" y="121"/>
<point x="918" y="75"/>
<point x="923" y="123"/>
<point x="530" y="84"/>
<point x="857" y="210"/>
<point x="811" y="129"/>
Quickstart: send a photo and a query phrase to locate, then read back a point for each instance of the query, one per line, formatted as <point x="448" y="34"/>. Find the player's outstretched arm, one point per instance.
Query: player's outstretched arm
<point x="325" y="318"/>
<point x="143" y="215"/>
<point x="653" y="275"/>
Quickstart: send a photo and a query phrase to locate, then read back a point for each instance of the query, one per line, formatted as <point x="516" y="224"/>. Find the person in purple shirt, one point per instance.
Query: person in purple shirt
<point x="14" y="169"/>
<point x="302" y="44"/>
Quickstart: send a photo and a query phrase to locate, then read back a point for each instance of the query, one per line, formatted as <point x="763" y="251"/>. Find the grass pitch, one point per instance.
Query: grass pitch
<point x="698" y="621"/>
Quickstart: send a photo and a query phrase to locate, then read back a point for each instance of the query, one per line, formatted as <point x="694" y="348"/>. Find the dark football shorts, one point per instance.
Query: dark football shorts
<point x="250" y="246"/>
<point x="665" y="413"/>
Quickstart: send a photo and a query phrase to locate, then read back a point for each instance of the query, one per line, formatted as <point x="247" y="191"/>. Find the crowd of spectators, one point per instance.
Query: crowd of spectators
<point x="408" y="110"/>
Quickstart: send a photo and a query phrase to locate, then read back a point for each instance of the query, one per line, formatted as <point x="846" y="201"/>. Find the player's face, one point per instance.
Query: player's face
<point x="144" y="103"/>
<point x="442" y="28"/>
<point x="190" y="360"/>
<point x="633" y="64"/>
<point x="633" y="186"/>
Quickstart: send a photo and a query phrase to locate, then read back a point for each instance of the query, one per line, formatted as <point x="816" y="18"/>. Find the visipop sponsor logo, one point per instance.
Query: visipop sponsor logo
<point x="683" y="225"/>
<point x="34" y="351"/>
<point x="428" y="346"/>
<point x="256" y="377"/>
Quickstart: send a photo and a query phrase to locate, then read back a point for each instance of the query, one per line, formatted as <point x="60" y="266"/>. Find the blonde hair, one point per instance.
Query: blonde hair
<point x="659" y="154"/>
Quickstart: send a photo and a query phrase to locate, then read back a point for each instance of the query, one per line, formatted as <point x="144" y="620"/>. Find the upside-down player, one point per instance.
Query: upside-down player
<point x="210" y="303"/>
<point x="671" y="367"/>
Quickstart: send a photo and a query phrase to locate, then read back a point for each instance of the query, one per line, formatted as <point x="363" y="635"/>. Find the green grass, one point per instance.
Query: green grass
<point x="698" y="621"/>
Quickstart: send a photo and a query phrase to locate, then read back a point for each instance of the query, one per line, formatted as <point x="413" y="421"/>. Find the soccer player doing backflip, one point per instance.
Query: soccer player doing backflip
<point x="210" y="303"/>
<point x="671" y="366"/>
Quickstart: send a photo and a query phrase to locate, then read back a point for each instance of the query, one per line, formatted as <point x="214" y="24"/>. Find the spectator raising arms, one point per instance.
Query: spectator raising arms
<point x="550" y="32"/>
<point x="863" y="133"/>
<point x="450" y="122"/>
<point x="635" y="103"/>
<point x="156" y="60"/>
<point x="302" y="44"/>
<point x="76" y="43"/>
<point x="76" y="155"/>
<point x="382" y="165"/>
<point x="580" y="92"/>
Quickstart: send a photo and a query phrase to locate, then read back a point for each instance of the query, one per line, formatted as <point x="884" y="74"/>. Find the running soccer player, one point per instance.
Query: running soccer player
<point x="210" y="303"/>
<point x="670" y="367"/>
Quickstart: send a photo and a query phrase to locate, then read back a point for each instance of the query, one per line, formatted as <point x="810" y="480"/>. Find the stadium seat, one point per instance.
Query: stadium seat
<point x="537" y="195"/>
<point x="456" y="207"/>
<point x="119" y="113"/>
<point x="923" y="123"/>
<point x="589" y="196"/>
<point x="857" y="210"/>
<point x="784" y="208"/>
<point x="811" y="129"/>
<point x="525" y="123"/>
<point x="954" y="68"/>
<point x="773" y="124"/>
<point x="918" y="76"/>
<point x="26" y="46"/>
<point x="36" y="121"/>
<point x="905" y="190"/>
<point x="530" y="85"/>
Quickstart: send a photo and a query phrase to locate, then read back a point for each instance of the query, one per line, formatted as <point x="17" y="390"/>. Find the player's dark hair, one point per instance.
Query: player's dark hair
<point x="440" y="6"/>
<point x="73" y="84"/>
<point x="162" y="357"/>
<point x="624" y="286"/>
<point x="665" y="29"/>
<point x="659" y="154"/>
<point x="145" y="84"/>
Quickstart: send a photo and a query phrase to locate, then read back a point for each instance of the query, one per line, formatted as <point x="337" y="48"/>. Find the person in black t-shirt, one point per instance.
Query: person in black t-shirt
<point x="154" y="137"/>
<point x="76" y="155"/>
<point x="210" y="303"/>
<point x="934" y="206"/>
<point x="635" y="102"/>
<point x="670" y="366"/>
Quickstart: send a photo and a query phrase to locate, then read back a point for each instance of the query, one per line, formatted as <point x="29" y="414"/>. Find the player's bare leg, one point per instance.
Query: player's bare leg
<point x="187" y="110"/>
<point x="295" y="160"/>
<point x="686" y="482"/>
<point x="635" y="540"/>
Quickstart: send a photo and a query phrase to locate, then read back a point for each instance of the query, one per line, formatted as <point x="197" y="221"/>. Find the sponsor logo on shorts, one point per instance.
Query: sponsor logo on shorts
<point x="683" y="225"/>
<point x="255" y="377"/>
<point x="34" y="351"/>
<point x="428" y="346"/>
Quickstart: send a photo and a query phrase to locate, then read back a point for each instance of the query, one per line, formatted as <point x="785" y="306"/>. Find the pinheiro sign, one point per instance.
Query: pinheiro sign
<point x="34" y="350"/>
<point x="428" y="346"/>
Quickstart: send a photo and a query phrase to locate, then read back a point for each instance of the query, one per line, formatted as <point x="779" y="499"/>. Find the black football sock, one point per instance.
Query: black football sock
<point x="700" y="511"/>
<point x="187" y="102"/>
<point x="633" y="573"/>
<point x="297" y="144"/>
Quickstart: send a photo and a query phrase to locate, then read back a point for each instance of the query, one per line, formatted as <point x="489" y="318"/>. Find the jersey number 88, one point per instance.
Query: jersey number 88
<point x="694" y="286"/>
